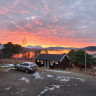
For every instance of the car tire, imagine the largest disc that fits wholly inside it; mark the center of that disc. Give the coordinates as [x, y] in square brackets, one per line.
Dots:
[26, 71]
[16, 68]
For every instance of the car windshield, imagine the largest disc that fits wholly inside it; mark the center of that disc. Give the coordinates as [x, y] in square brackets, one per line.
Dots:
[28, 63]
[25, 64]
[33, 64]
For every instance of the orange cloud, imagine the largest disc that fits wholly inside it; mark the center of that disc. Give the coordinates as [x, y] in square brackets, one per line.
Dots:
[43, 38]
[38, 22]
[35, 39]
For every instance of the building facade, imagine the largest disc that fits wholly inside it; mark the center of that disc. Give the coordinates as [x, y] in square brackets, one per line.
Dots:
[53, 61]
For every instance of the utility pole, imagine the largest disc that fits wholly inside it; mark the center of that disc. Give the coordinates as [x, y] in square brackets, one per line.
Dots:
[85, 60]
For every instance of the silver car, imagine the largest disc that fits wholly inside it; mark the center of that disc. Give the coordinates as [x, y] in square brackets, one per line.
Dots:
[27, 67]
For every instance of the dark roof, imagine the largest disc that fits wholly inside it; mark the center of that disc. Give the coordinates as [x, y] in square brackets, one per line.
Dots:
[51, 57]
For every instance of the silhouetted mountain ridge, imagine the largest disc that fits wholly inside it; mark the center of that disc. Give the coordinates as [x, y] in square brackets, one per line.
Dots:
[89, 48]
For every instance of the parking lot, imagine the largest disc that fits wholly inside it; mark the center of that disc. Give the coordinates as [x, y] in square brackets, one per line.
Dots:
[46, 82]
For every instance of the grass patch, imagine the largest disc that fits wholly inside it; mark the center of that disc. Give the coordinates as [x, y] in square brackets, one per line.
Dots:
[11, 61]
[4, 62]
[88, 71]
[41, 68]
[4, 68]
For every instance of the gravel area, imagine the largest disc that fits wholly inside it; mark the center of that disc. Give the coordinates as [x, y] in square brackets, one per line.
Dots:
[46, 83]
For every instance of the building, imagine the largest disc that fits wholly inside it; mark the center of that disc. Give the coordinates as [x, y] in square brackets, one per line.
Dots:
[53, 60]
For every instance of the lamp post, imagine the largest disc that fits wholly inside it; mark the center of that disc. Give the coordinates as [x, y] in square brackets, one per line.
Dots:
[85, 60]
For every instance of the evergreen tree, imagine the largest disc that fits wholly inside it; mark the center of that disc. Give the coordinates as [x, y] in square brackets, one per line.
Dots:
[79, 57]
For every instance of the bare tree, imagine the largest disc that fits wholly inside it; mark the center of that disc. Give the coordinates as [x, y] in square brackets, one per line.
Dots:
[24, 44]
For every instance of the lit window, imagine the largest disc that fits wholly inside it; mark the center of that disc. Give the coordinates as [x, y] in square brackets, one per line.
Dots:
[51, 63]
[37, 60]
[56, 62]
[41, 61]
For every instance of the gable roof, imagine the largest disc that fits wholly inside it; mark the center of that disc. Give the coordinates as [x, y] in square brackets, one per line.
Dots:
[52, 57]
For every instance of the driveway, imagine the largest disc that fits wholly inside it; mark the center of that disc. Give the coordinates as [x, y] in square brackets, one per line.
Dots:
[46, 83]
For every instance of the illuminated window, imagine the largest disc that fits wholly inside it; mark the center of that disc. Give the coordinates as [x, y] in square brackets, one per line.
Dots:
[41, 61]
[56, 62]
[51, 63]
[37, 60]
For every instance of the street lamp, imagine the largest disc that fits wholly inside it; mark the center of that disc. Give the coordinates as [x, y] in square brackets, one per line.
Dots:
[85, 60]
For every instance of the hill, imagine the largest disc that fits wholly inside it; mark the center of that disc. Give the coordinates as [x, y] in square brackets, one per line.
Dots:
[90, 48]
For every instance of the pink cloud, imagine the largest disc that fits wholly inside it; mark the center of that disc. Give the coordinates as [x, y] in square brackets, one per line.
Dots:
[1, 12]
[16, 2]
[24, 11]
[55, 19]
[47, 10]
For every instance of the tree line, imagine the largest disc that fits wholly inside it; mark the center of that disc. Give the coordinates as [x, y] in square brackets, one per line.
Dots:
[10, 49]
[79, 58]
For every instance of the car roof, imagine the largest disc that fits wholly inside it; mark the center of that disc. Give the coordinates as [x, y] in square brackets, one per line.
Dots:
[29, 62]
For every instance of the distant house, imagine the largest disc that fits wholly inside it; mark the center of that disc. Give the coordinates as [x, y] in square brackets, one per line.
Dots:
[53, 60]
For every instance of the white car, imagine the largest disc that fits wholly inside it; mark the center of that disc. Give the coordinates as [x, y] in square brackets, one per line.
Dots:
[27, 67]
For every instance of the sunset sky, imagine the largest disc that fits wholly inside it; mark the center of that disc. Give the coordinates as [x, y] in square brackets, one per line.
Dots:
[69, 23]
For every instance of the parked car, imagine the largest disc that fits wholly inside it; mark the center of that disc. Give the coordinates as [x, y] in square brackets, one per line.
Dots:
[27, 67]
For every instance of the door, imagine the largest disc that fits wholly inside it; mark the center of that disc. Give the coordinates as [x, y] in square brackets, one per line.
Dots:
[44, 63]
[47, 64]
